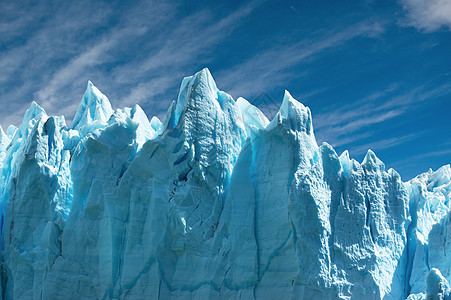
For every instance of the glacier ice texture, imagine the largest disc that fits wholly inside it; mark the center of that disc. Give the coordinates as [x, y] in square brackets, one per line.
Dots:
[215, 202]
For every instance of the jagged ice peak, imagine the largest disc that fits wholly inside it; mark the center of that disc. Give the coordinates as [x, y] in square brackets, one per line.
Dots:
[215, 202]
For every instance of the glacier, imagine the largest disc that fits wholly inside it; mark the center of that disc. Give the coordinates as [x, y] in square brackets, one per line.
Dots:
[215, 201]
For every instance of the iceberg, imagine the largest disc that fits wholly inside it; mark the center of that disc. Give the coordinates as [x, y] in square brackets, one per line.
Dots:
[215, 201]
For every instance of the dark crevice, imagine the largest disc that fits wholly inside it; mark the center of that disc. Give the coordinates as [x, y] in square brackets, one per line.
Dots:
[368, 221]
[4, 277]
[122, 172]
[411, 246]
[181, 159]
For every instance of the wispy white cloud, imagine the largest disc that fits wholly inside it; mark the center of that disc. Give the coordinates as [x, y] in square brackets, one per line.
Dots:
[35, 44]
[63, 51]
[271, 66]
[431, 154]
[74, 70]
[424, 159]
[346, 123]
[189, 41]
[148, 91]
[194, 36]
[428, 15]
[386, 143]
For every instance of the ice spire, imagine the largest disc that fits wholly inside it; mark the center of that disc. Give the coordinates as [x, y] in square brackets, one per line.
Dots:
[3, 135]
[156, 125]
[94, 108]
[201, 84]
[32, 115]
[372, 162]
[11, 130]
[4, 141]
[252, 116]
[298, 116]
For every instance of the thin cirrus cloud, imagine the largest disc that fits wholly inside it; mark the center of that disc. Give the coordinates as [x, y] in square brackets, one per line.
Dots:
[429, 15]
[90, 58]
[412, 162]
[278, 60]
[188, 41]
[136, 55]
[102, 50]
[344, 126]
[193, 35]
[178, 48]
[35, 46]
[386, 143]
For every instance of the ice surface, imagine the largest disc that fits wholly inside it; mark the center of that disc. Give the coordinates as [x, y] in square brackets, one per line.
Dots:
[437, 286]
[252, 116]
[11, 131]
[156, 125]
[215, 202]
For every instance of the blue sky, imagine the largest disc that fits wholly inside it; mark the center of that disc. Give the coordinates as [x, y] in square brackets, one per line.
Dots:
[376, 74]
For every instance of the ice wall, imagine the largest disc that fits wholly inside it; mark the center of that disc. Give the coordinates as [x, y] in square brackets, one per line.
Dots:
[216, 201]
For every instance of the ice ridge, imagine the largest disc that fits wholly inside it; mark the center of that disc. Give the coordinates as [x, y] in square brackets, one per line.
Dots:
[216, 201]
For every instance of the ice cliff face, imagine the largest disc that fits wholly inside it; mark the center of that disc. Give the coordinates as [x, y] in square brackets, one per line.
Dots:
[215, 202]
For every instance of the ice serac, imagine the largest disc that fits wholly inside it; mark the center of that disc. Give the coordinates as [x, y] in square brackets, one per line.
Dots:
[170, 224]
[89, 262]
[136, 119]
[252, 116]
[143, 222]
[375, 202]
[430, 204]
[293, 218]
[4, 142]
[11, 131]
[437, 286]
[215, 202]
[36, 195]
[93, 111]
[440, 246]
